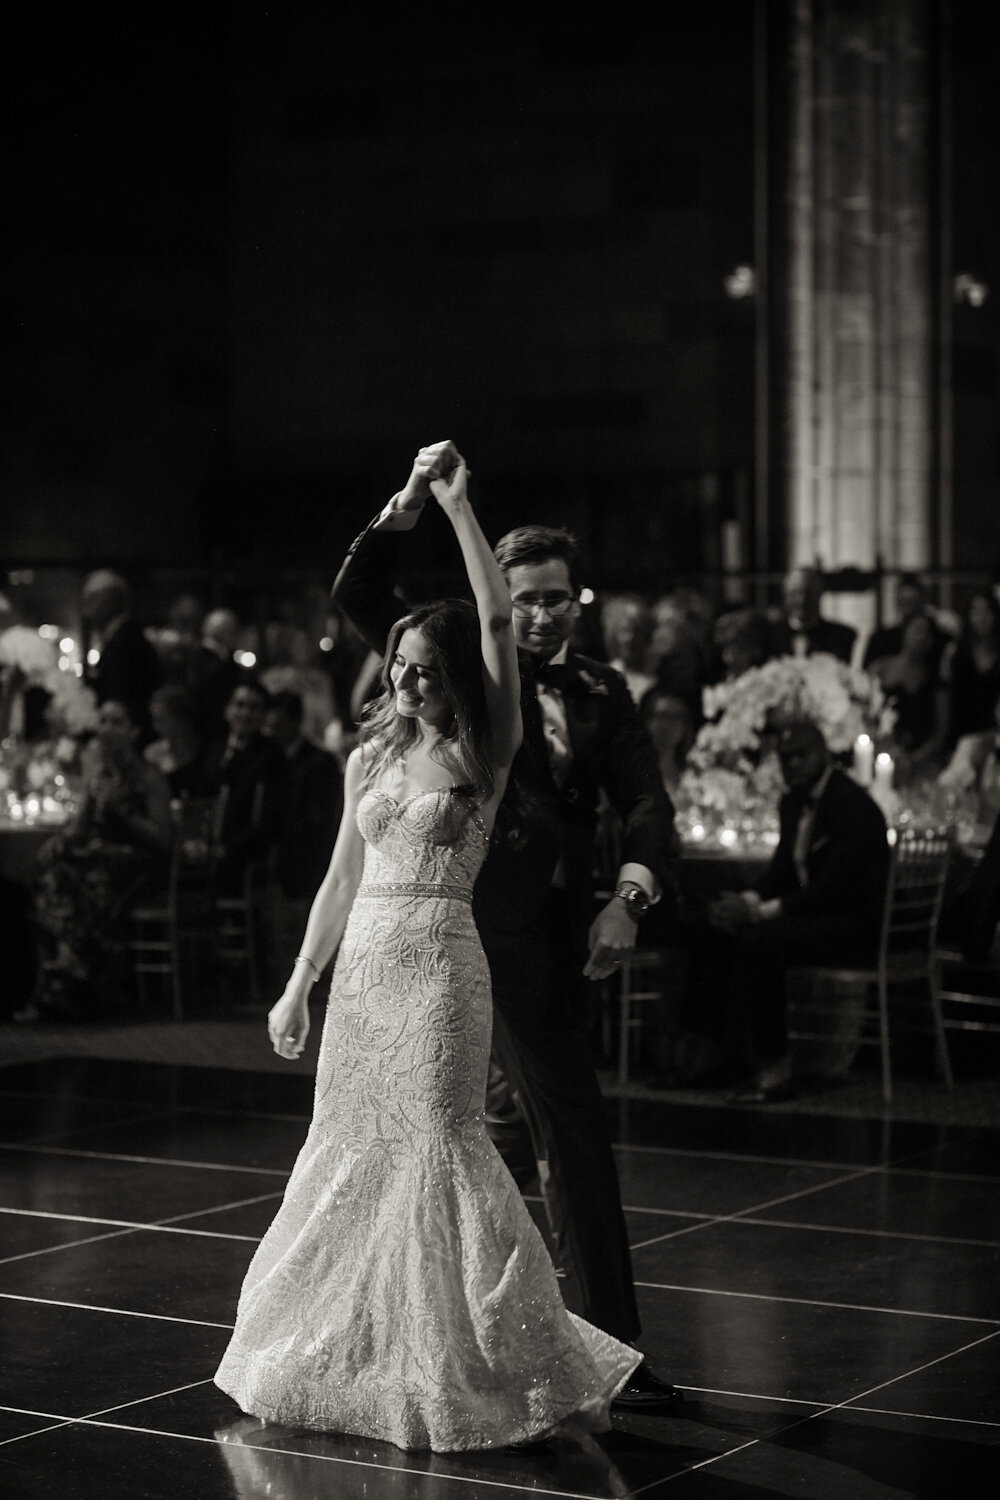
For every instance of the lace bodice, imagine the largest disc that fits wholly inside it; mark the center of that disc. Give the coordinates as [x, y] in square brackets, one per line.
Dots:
[433, 838]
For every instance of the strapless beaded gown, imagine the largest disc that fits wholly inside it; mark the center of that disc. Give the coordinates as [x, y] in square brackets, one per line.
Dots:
[403, 1291]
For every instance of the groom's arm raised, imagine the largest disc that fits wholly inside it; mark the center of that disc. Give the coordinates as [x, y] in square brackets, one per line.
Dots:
[365, 586]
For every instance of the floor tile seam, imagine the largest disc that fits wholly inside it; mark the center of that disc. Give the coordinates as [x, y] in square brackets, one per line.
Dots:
[107, 1411]
[923, 1416]
[917, 1370]
[893, 1312]
[332, 1458]
[90, 1239]
[807, 1192]
[810, 1164]
[117, 1312]
[692, 1468]
[744, 1217]
[126, 1226]
[740, 1159]
[54, 1423]
[198, 1213]
[147, 1161]
[939, 1176]
[736, 1216]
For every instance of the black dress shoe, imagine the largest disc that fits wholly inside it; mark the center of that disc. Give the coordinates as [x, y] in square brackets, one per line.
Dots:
[644, 1391]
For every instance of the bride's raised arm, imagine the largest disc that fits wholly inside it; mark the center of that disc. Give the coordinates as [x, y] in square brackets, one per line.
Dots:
[489, 587]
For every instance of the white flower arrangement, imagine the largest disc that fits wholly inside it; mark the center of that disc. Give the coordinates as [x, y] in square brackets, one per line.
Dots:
[74, 705]
[732, 769]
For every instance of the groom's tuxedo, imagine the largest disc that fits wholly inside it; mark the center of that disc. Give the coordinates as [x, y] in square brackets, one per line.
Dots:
[533, 903]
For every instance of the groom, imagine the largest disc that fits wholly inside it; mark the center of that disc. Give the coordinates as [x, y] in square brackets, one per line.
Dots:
[534, 902]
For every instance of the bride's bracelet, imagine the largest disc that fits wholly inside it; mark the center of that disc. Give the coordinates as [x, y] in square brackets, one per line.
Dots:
[303, 960]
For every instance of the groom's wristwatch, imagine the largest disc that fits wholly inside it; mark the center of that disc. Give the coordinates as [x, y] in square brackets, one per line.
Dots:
[635, 898]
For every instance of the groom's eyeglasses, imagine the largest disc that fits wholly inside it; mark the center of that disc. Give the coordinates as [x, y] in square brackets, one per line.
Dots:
[552, 604]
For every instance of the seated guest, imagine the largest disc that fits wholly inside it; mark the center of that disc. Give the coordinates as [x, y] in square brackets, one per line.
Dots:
[974, 771]
[315, 801]
[248, 774]
[127, 669]
[742, 640]
[627, 628]
[802, 630]
[971, 918]
[970, 667]
[912, 685]
[89, 875]
[819, 900]
[178, 748]
[672, 725]
[887, 640]
[679, 646]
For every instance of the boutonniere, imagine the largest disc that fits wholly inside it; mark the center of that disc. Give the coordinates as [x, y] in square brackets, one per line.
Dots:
[592, 684]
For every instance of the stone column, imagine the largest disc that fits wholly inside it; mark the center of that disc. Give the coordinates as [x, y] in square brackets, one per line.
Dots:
[852, 282]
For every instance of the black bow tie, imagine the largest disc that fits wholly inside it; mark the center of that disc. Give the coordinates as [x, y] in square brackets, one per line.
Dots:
[555, 675]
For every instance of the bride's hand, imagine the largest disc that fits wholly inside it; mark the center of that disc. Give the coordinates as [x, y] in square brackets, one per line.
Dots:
[433, 461]
[451, 490]
[288, 1025]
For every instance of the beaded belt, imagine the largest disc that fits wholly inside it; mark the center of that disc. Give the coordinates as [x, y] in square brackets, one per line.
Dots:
[417, 888]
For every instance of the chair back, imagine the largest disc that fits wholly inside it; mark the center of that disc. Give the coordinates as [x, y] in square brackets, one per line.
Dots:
[918, 868]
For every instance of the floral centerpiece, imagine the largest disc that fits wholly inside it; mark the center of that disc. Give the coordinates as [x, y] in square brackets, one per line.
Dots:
[37, 780]
[732, 782]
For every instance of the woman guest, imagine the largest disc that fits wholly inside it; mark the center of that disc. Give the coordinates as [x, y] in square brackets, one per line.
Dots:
[177, 750]
[970, 667]
[912, 684]
[403, 1292]
[672, 727]
[89, 875]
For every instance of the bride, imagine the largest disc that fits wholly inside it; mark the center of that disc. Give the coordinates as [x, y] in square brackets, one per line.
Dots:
[403, 1291]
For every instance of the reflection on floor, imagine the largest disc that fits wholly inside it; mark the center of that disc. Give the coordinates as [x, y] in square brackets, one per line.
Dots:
[826, 1290]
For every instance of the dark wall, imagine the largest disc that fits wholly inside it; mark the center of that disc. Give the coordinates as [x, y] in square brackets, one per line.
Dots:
[255, 254]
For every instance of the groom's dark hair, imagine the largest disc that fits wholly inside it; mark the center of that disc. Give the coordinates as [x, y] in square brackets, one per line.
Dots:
[538, 544]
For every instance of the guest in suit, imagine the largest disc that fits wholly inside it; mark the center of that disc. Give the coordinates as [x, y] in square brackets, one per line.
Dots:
[803, 630]
[315, 802]
[248, 773]
[216, 672]
[887, 640]
[819, 901]
[127, 669]
[534, 900]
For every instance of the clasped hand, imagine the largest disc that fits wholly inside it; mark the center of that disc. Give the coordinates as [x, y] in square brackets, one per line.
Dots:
[437, 461]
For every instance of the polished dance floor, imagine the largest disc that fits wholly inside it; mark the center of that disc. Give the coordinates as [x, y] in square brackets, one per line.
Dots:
[826, 1289]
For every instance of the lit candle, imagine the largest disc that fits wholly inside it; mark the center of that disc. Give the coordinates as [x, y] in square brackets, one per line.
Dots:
[864, 760]
[883, 773]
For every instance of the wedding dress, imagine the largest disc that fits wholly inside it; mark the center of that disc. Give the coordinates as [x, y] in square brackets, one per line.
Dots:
[403, 1291]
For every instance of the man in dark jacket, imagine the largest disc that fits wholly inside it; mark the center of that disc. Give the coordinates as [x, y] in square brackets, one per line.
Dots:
[820, 900]
[125, 668]
[248, 775]
[315, 802]
[802, 630]
[534, 899]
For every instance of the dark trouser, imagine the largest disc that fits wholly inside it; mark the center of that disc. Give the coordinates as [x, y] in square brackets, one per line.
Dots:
[761, 957]
[540, 1045]
[737, 989]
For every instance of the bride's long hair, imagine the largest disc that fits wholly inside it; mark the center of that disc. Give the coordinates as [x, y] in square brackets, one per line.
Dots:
[452, 631]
